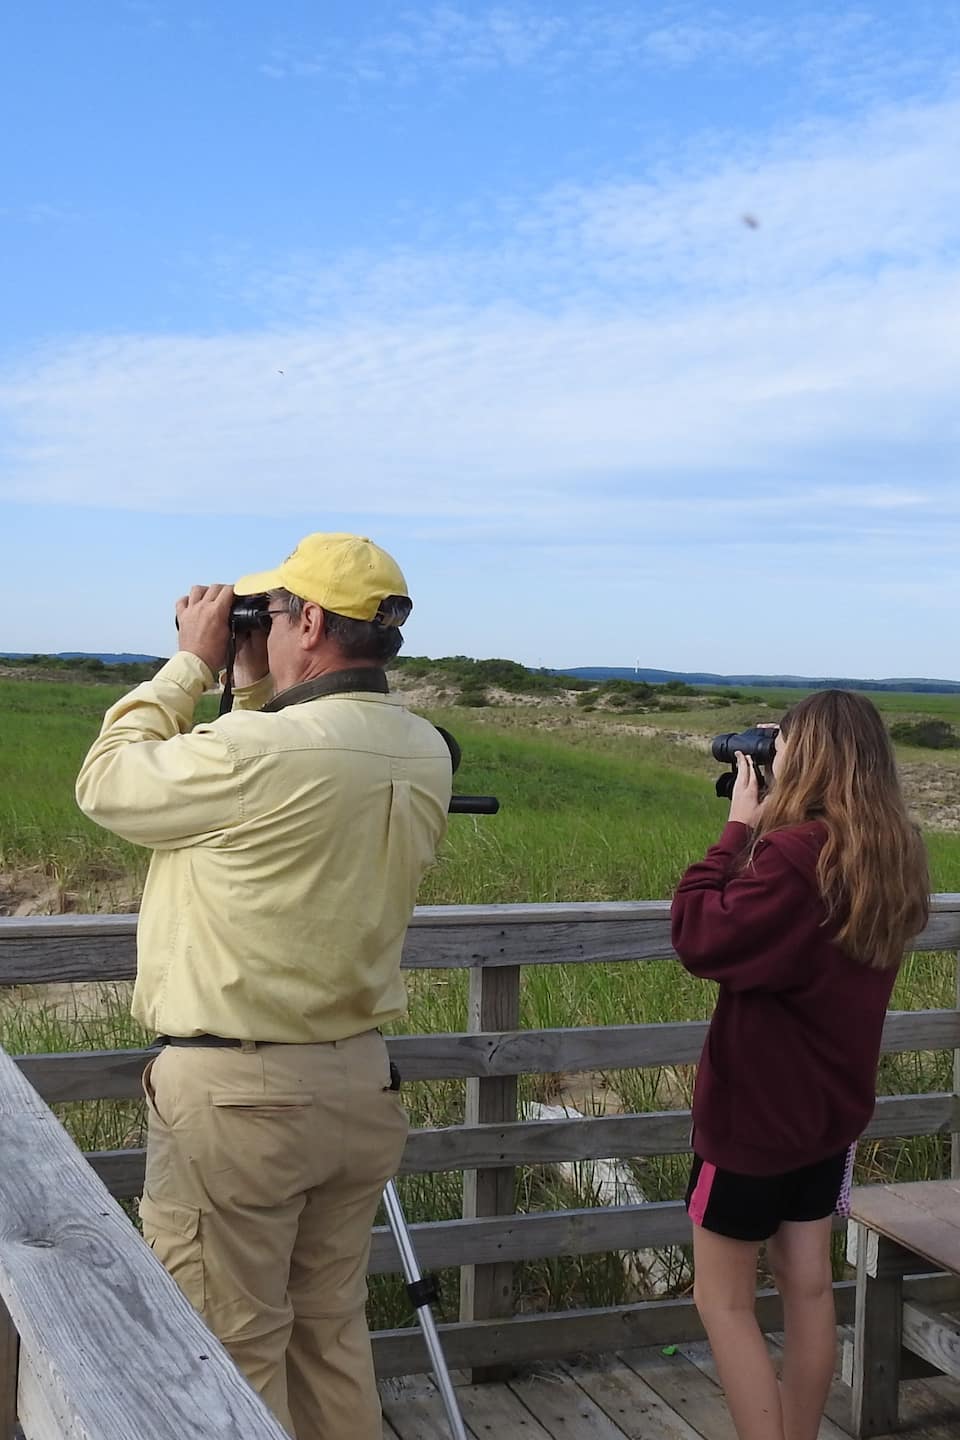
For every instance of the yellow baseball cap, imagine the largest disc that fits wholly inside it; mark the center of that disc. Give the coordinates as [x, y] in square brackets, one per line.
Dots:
[347, 574]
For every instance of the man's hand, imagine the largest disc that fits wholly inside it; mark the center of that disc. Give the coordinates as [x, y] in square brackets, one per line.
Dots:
[745, 802]
[203, 619]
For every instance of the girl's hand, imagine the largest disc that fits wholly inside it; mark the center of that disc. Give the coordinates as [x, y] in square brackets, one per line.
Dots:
[745, 802]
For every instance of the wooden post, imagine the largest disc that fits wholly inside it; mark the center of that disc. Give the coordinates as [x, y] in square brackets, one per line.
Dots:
[486, 1291]
[9, 1370]
[955, 1138]
[877, 1335]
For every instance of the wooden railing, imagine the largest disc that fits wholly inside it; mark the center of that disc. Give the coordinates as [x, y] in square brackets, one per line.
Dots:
[493, 943]
[96, 1340]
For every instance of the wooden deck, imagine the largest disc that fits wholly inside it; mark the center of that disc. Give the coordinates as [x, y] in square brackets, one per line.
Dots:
[635, 1395]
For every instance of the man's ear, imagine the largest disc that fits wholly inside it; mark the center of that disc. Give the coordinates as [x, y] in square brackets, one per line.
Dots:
[313, 626]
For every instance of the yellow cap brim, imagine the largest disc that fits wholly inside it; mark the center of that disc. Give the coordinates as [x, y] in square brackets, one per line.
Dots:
[258, 584]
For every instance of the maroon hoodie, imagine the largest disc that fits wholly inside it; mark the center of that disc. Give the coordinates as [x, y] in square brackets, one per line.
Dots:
[788, 1071]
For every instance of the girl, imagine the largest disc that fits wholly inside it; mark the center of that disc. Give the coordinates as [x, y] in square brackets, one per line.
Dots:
[801, 912]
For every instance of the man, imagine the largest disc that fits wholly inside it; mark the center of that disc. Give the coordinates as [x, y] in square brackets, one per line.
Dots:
[289, 837]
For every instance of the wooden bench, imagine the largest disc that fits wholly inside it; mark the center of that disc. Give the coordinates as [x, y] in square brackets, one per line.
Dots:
[898, 1230]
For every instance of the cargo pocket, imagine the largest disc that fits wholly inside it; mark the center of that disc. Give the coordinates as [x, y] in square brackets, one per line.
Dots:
[172, 1230]
[263, 1101]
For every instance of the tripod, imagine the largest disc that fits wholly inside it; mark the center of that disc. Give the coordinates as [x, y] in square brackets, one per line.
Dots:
[421, 1293]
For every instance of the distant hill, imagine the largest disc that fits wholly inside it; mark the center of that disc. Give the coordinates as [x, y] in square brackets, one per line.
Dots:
[519, 679]
[778, 682]
[84, 667]
[123, 658]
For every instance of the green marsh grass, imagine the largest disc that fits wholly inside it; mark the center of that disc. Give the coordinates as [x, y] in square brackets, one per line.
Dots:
[591, 811]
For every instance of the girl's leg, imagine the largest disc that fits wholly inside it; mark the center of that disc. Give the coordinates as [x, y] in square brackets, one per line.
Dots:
[799, 1256]
[724, 1288]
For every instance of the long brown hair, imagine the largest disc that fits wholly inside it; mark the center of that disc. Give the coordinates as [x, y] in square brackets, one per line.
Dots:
[839, 768]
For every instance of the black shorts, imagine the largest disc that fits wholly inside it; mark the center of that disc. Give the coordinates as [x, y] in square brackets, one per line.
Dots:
[753, 1207]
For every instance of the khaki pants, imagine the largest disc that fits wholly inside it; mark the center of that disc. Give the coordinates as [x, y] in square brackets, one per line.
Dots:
[265, 1167]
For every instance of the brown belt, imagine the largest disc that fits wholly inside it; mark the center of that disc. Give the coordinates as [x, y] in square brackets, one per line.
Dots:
[220, 1040]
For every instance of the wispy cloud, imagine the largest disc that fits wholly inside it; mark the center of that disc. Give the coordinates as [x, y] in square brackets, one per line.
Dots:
[850, 198]
[825, 204]
[682, 378]
[443, 36]
[451, 41]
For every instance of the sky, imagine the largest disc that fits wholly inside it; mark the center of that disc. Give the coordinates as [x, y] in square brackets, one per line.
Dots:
[630, 329]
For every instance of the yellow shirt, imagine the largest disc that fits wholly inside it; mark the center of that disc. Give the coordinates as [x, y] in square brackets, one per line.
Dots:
[288, 849]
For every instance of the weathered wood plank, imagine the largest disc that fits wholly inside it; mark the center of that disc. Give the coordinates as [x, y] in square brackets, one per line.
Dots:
[419, 1417]
[43, 1413]
[933, 1336]
[9, 1355]
[446, 1243]
[617, 1047]
[78, 947]
[490, 1053]
[40, 959]
[442, 1244]
[920, 1030]
[490, 1409]
[875, 1388]
[52, 957]
[941, 932]
[923, 1216]
[120, 1170]
[425, 917]
[624, 1396]
[686, 1389]
[495, 1410]
[545, 1142]
[115, 1074]
[529, 1339]
[621, 1136]
[90, 1302]
[565, 1410]
[65, 948]
[486, 1291]
[568, 939]
[85, 1074]
[940, 1290]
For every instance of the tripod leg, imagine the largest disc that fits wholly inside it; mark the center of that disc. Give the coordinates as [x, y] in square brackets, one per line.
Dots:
[414, 1279]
